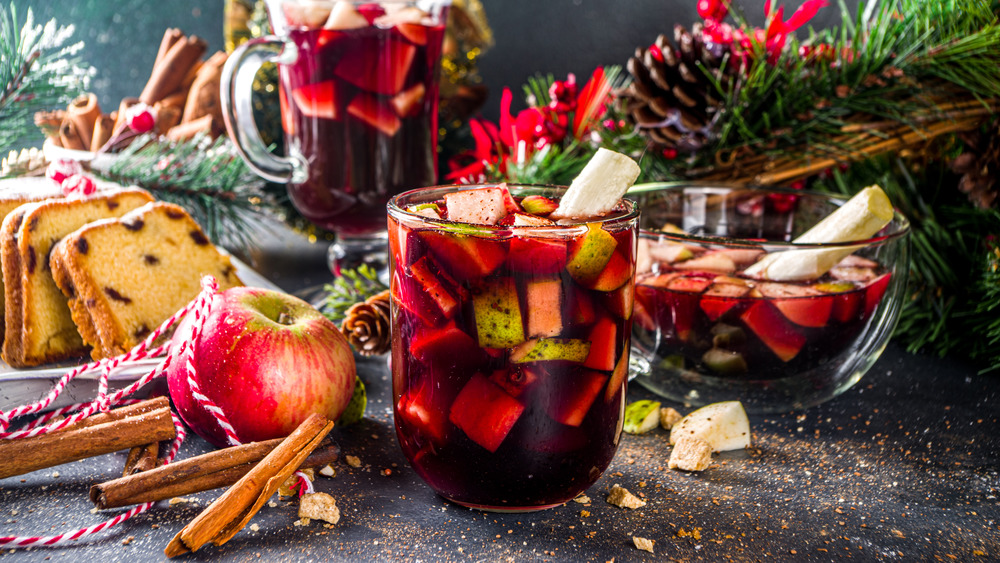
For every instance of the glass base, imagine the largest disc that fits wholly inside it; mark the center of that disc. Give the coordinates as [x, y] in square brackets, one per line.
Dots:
[503, 509]
[349, 253]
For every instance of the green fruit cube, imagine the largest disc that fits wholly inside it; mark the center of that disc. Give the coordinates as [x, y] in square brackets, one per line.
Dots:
[590, 254]
[497, 311]
[548, 349]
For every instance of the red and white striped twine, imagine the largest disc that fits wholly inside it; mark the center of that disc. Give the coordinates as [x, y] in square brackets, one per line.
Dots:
[200, 307]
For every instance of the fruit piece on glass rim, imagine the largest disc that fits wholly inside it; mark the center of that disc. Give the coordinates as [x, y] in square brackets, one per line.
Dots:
[268, 360]
[598, 187]
[860, 218]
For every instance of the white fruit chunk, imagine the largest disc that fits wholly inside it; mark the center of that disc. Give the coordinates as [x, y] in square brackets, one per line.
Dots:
[723, 425]
[601, 183]
[344, 16]
[860, 218]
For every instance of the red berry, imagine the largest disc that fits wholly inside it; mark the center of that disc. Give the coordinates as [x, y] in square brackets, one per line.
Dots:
[141, 119]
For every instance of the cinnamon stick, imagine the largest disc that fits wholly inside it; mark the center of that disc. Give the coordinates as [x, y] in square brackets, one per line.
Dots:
[204, 98]
[170, 37]
[229, 513]
[208, 471]
[167, 117]
[70, 137]
[84, 112]
[102, 132]
[185, 131]
[136, 409]
[168, 74]
[85, 440]
[142, 458]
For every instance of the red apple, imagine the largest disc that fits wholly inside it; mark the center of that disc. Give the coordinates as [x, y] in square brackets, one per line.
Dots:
[268, 360]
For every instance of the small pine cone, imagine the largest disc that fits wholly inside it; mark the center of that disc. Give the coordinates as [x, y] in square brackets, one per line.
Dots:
[366, 325]
[979, 166]
[670, 98]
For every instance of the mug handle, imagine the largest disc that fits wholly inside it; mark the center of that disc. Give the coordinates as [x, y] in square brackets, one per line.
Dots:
[237, 108]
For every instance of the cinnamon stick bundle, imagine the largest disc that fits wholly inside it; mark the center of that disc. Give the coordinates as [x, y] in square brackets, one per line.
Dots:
[208, 471]
[168, 73]
[120, 429]
[229, 513]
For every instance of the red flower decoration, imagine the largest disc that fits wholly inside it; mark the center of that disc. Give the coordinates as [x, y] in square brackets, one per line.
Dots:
[567, 115]
[472, 166]
[713, 9]
[773, 38]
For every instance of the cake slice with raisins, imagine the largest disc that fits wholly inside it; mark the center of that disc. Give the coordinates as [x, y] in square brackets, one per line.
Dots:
[124, 277]
[14, 193]
[38, 325]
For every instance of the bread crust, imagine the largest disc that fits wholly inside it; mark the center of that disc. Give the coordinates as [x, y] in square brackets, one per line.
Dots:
[14, 193]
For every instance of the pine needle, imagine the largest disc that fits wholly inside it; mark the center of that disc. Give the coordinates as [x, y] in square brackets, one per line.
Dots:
[205, 177]
[353, 286]
[38, 71]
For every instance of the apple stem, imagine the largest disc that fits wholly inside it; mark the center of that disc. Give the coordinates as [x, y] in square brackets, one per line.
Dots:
[284, 318]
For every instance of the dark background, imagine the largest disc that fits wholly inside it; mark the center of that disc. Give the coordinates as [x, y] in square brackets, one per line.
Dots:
[532, 36]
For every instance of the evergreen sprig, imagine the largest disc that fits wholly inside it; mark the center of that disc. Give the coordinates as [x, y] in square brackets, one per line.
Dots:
[205, 177]
[38, 71]
[352, 286]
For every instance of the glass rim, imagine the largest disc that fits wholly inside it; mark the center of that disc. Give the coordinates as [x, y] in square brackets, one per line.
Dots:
[899, 221]
[394, 210]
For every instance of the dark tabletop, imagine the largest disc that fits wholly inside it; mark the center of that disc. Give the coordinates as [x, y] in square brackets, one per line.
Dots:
[904, 466]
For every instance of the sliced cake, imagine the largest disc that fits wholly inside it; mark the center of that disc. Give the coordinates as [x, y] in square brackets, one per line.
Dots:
[39, 327]
[124, 277]
[14, 193]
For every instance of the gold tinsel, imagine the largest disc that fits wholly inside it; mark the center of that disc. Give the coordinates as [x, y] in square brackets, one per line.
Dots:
[366, 325]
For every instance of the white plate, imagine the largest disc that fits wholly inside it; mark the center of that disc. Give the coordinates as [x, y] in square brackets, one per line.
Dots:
[24, 386]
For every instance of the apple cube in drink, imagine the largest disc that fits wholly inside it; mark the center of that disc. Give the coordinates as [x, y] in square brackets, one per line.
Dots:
[465, 257]
[481, 206]
[537, 255]
[436, 285]
[577, 391]
[368, 68]
[424, 409]
[544, 307]
[374, 112]
[603, 343]
[318, 100]
[485, 412]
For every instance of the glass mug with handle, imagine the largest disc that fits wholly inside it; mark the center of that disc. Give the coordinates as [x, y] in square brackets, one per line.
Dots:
[358, 86]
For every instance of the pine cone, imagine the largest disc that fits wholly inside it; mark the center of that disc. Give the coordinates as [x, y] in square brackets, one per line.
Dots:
[366, 325]
[670, 98]
[979, 166]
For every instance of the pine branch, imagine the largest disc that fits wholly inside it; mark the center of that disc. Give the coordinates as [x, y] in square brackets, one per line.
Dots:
[353, 286]
[38, 71]
[205, 177]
